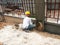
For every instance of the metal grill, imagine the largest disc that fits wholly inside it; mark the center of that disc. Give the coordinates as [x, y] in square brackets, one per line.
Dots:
[25, 4]
[29, 5]
[52, 8]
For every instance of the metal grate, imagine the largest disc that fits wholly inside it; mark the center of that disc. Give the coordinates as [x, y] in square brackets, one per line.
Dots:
[26, 4]
[52, 8]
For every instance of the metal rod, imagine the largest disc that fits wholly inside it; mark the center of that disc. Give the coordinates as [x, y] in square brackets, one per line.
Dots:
[54, 9]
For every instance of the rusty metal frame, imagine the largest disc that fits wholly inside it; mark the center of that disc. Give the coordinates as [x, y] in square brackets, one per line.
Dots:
[50, 10]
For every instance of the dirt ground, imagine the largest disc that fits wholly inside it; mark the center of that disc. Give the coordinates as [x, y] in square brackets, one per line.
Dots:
[12, 36]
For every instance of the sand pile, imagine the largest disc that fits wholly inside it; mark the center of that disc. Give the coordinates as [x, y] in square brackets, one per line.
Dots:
[10, 36]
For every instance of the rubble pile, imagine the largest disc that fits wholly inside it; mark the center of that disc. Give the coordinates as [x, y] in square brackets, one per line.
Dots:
[12, 36]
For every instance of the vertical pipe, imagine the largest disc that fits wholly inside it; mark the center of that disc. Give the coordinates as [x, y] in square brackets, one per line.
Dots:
[58, 13]
[27, 4]
[46, 9]
[21, 3]
[54, 9]
[50, 8]
[32, 6]
[24, 5]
